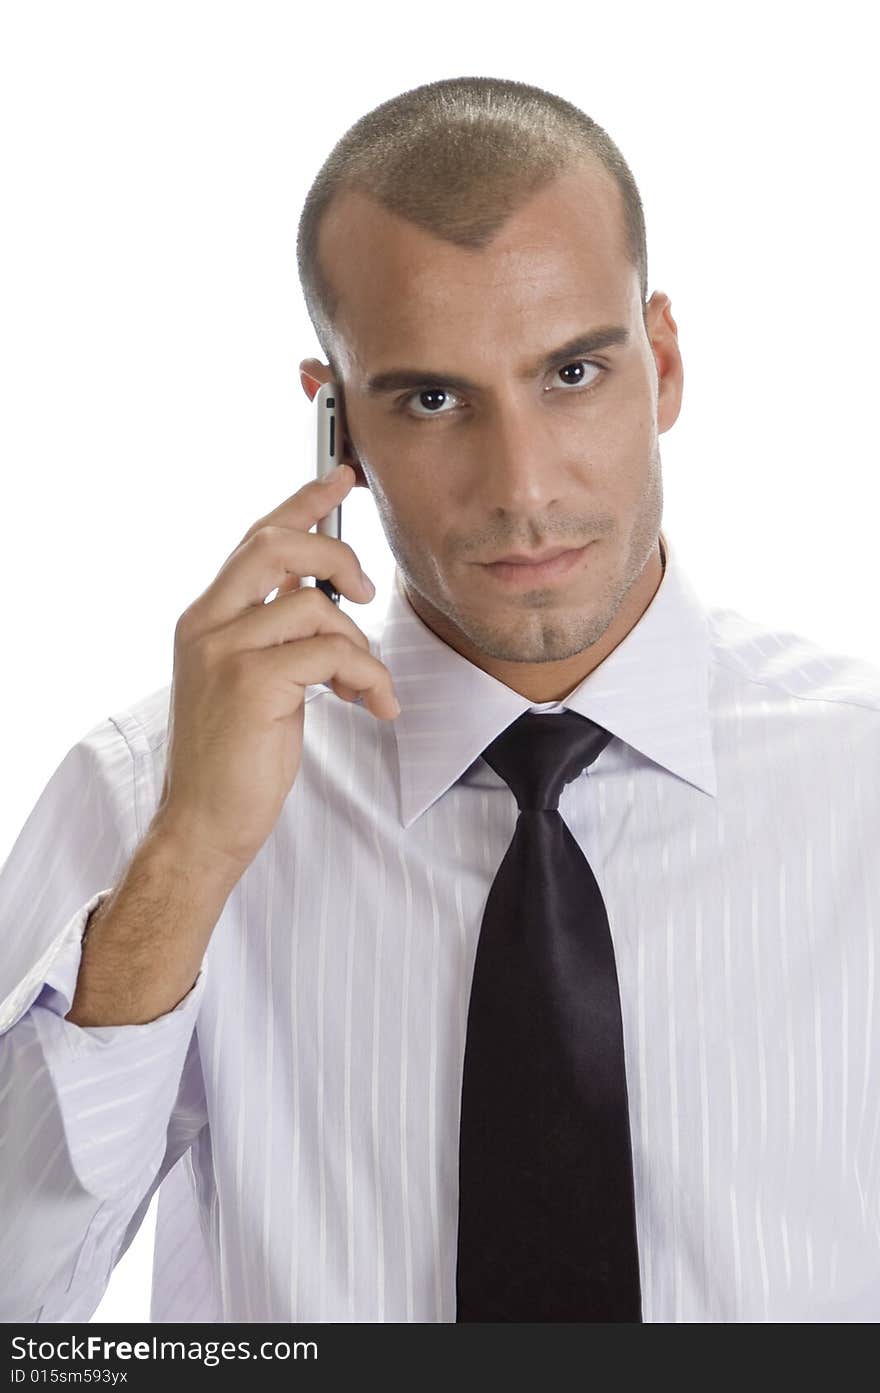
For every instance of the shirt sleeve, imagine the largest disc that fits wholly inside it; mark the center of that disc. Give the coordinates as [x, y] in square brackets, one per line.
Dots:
[92, 1118]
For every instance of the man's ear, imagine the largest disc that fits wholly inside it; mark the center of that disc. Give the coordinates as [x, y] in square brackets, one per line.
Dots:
[312, 375]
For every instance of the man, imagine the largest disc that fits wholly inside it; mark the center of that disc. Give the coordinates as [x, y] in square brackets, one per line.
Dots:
[275, 1016]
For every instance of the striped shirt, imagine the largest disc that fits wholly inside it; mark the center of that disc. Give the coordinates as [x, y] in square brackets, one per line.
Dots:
[299, 1108]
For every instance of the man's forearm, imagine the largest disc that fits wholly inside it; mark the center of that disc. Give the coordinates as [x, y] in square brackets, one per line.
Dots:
[143, 946]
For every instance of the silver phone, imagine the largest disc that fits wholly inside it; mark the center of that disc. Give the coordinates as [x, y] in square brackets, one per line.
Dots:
[328, 404]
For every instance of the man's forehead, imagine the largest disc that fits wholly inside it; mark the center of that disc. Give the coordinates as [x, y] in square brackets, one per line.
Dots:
[559, 260]
[357, 232]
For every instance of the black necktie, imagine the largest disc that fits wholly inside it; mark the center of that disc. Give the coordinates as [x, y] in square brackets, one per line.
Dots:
[547, 1228]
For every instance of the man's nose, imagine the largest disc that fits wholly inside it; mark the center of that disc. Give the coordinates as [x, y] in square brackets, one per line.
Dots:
[521, 454]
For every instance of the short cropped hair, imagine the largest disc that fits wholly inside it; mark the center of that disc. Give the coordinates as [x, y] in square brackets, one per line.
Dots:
[457, 157]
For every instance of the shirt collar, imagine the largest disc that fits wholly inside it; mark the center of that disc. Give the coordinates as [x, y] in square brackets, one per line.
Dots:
[651, 692]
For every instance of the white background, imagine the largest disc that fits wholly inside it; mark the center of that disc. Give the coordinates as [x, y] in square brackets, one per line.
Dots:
[154, 159]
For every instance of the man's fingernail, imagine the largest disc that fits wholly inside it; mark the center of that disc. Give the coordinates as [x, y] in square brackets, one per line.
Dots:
[335, 474]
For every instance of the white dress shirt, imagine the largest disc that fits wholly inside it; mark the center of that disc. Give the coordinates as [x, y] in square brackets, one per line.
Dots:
[300, 1106]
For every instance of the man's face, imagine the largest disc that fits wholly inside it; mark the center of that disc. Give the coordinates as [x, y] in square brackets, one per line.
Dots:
[526, 457]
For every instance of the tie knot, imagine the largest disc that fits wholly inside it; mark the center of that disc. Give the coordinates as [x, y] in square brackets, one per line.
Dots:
[540, 753]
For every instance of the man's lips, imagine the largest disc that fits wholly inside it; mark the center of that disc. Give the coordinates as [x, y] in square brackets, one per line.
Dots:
[517, 558]
[549, 566]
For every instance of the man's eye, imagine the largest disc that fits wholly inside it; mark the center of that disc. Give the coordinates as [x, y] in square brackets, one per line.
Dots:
[432, 399]
[582, 363]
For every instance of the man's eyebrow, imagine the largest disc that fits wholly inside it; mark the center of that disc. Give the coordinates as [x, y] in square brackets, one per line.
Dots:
[605, 336]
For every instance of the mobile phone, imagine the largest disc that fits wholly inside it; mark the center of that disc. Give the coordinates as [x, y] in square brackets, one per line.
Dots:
[329, 435]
